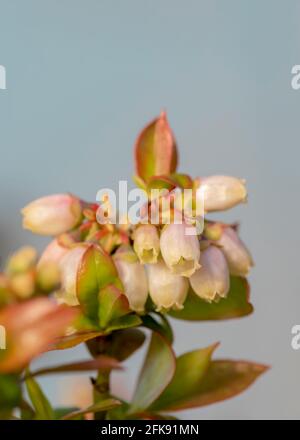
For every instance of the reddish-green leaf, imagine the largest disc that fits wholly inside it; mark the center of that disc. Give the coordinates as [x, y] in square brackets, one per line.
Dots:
[31, 327]
[234, 306]
[156, 374]
[103, 405]
[71, 341]
[191, 368]
[182, 180]
[155, 150]
[161, 182]
[223, 380]
[99, 363]
[113, 304]
[96, 271]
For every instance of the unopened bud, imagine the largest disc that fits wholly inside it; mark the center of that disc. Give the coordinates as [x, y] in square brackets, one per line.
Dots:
[219, 193]
[133, 276]
[69, 266]
[238, 257]
[52, 215]
[22, 260]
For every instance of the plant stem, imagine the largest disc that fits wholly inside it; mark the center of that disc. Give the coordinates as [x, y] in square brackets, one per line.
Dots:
[101, 391]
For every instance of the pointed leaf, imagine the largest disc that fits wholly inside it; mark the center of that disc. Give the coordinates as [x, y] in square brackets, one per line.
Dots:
[224, 379]
[103, 405]
[156, 374]
[99, 363]
[190, 370]
[234, 306]
[96, 271]
[124, 322]
[161, 182]
[43, 409]
[155, 150]
[113, 304]
[182, 180]
[158, 323]
[75, 339]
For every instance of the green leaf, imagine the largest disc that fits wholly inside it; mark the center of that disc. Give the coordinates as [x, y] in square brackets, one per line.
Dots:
[182, 180]
[161, 182]
[43, 409]
[10, 391]
[61, 412]
[127, 321]
[96, 271]
[223, 380]
[113, 304]
[158, 323]
[103, 405]
[234, 306]
[190, 370]
[100, 363]
[156, 374]
[155, 150]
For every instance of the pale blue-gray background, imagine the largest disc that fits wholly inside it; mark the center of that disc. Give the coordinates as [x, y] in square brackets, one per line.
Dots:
[83, 76]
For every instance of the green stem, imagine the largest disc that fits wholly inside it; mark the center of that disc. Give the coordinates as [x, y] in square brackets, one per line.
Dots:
[101, 391]
[101, 384]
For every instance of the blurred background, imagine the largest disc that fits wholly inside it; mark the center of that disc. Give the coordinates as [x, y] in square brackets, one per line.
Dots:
[84, 76]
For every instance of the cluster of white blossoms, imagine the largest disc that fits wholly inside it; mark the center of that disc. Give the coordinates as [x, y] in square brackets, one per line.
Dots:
[163, 261]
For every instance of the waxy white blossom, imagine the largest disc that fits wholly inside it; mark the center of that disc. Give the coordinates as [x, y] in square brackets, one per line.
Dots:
[219, 193]
[133, 276]
[167, 290]
[146, 243]
[52, 215]
[211, 281]
[238, 257]
[180, 248]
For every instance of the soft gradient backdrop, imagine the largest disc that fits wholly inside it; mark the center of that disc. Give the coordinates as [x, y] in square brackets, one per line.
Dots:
[84, 76]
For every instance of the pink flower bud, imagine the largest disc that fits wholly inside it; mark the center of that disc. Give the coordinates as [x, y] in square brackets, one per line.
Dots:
[146, 243]
[180, 248]
[238, 257]
[133, 276]
[53, 253]
[211, 281]
[167, 290]
[219, 193]
[69, 266]
[52, 215]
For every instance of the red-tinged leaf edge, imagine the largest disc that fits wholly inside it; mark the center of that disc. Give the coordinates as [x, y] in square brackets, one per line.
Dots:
[155, 149]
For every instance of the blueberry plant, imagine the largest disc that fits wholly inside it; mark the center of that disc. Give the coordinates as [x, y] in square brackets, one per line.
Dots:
[114, 286]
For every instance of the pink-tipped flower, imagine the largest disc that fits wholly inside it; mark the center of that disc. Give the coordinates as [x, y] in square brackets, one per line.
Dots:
[133, 276]
[52, 215]
[69, 266]
[238, 257]
[167, 290]
[211, 281]
[146, 244]
[180, 249]
[219, 193]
